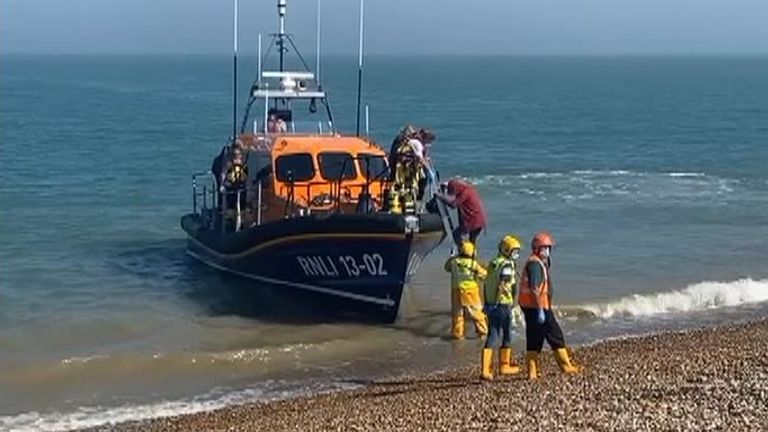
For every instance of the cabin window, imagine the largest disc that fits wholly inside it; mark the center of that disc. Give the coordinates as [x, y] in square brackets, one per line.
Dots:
[296, 167]
[374, 167]
[336, 166]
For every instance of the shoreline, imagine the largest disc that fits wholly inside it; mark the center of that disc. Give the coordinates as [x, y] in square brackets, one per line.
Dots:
[713, 378]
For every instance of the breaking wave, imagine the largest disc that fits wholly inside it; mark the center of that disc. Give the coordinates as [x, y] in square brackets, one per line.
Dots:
[696, 297]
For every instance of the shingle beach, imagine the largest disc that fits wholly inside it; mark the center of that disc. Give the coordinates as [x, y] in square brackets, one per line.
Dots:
[707, 379]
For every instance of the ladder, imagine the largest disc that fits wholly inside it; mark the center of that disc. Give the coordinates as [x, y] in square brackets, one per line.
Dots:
[445, 215]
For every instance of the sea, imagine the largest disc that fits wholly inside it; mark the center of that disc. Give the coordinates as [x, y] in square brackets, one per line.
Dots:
[650, 172]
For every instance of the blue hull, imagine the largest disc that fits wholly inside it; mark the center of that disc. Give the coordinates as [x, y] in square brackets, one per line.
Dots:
[358, 261]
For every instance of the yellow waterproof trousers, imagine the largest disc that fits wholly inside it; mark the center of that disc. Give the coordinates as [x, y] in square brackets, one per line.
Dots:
[467, 302]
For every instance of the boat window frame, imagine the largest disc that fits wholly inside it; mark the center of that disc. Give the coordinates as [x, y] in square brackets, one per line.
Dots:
[343, 176]
[305, 155]
[379, 176]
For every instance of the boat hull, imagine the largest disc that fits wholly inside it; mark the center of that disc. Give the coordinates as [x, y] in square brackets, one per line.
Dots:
[361, 262]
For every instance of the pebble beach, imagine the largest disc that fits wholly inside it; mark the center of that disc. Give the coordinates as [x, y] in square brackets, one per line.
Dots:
[703, 379]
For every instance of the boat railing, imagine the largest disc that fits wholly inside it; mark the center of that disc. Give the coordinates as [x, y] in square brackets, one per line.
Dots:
[238, 208]
[337, 188]
[301, 199]
[204, 194]
[211, 204]
[366, 186]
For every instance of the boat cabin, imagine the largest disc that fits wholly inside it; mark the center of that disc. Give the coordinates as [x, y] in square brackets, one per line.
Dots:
[297, 168]
[298, 174]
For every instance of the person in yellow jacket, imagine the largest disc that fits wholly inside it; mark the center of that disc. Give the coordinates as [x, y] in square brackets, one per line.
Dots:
[499, 289]
[536, 300]
[465, 291]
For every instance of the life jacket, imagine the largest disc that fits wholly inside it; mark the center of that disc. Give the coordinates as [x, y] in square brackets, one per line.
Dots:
[237, 175]
[464, 273]
[497, 291]
[402, 146]
[529, 299]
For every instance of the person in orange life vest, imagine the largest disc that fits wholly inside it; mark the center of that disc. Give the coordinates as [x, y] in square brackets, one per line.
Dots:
[535, 300]
[465, 291]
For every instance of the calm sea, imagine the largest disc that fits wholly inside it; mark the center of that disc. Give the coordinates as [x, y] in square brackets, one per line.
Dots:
[650, 172]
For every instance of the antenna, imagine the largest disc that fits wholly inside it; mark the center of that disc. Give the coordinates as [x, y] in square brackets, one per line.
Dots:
[266, 109]
[367, 124]
[360, 67]
[258, 77]
[317, 60]
[234, 75]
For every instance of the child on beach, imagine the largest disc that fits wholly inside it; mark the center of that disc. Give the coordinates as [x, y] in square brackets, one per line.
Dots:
[465, 291]
[536, 300]
[499, 289]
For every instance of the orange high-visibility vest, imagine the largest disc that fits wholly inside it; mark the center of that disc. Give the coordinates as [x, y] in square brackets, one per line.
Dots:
[528, 298]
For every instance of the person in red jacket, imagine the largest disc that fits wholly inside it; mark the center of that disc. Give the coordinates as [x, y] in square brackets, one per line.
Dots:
[465, 198]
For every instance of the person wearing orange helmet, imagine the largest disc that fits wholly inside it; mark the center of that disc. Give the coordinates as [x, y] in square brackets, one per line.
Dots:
[535, 300]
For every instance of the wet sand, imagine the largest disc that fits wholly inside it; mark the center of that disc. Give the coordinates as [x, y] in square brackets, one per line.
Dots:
[707, 379]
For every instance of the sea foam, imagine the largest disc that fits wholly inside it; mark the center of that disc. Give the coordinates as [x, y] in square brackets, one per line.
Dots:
[699, 296]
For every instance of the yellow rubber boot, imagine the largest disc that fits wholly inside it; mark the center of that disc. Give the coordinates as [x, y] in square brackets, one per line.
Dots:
[486, 364]
[506, 365]
[532, 362]
[565, 363]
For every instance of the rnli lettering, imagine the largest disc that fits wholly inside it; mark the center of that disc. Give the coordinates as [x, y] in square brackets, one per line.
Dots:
[318, 266]
[348, 266]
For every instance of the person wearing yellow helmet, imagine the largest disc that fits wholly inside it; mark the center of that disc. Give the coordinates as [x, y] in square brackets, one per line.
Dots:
[535, 300]
[499, 289]
[465, 291]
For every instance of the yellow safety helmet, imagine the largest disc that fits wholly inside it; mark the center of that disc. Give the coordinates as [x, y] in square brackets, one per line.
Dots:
[467, 249]
[508, 243]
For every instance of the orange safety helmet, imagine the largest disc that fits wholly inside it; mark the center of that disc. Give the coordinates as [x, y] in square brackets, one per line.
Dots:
[542, 239]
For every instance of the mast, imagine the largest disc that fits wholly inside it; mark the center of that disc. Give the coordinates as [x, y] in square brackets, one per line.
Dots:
[234, 74]
[317, 57]
[282, 87]
[281, 34]
[360, 68]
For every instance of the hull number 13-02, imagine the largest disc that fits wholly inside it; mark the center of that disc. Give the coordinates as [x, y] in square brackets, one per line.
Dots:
[342, 266]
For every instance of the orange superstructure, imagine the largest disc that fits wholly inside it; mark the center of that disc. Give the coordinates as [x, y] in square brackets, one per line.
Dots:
[314, 173]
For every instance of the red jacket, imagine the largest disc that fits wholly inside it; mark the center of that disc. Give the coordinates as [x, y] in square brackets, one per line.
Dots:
[468, 204]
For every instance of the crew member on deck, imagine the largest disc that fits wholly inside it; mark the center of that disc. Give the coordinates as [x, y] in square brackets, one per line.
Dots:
[499, 289]
[536, 301]
[465, 291]
[272, 123]
[276, 125]
[233, 185]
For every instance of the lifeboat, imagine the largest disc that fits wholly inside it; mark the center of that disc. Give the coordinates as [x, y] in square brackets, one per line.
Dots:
[300, 207]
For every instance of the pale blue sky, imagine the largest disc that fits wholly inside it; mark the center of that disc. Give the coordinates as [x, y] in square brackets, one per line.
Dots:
[393, 26]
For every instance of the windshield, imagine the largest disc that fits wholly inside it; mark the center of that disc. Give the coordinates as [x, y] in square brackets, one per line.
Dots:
[373, 167]
[336, 165]
[294, 167]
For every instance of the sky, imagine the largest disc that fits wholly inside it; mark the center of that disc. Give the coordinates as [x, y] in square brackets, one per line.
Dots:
[485, 27]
